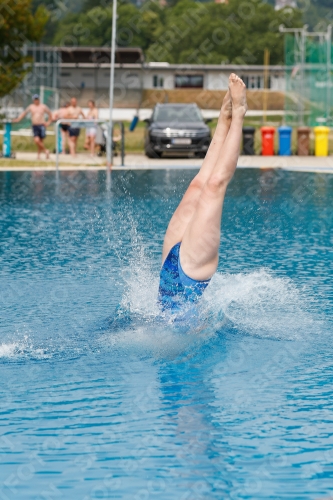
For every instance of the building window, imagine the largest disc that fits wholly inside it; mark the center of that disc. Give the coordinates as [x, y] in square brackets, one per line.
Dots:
[255, 81]
[189, 81]
[158, 81]
[245, 79]
[65, 74]
[252, 82]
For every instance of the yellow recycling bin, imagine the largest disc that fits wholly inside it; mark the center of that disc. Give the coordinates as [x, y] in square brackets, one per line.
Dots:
[321, 141]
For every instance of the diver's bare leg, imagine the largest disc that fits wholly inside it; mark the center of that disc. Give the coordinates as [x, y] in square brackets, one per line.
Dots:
[72, 145]
[187, 206]
[201, 240]
[40, 146]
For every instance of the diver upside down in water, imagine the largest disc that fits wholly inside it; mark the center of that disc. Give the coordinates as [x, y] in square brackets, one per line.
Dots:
[191, 243]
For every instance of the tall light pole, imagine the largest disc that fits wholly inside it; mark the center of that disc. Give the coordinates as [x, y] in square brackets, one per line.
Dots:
[112, 61]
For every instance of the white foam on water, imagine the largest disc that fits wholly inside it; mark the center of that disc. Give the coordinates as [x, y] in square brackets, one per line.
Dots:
[17, 348]
[256, 303]
[22, 348]
[8, 350]
[159, 341]
[261, 304]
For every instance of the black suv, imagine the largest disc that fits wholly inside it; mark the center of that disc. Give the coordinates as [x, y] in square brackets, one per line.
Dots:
[176, 128]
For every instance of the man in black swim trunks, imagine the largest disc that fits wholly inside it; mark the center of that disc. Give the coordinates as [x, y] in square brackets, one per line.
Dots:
[74, 112]
[38, 111]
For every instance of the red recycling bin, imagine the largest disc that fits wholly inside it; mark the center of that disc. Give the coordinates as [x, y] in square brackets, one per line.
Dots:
[267, 141]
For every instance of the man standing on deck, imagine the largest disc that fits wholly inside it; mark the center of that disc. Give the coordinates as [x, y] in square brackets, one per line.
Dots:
[74, 112]
[37, 111]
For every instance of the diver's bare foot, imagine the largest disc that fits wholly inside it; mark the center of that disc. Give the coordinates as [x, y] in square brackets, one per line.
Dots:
[47, 154]
[237, 90]
[226, 109]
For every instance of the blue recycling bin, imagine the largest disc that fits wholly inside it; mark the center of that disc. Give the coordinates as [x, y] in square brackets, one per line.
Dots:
[285, 140]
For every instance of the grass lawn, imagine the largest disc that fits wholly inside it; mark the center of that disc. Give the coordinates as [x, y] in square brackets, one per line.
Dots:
[133, 140]
[4, 162]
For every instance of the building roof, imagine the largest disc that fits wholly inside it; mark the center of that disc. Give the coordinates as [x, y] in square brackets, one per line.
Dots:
[133, 58]
[100, 55]
[181, 68]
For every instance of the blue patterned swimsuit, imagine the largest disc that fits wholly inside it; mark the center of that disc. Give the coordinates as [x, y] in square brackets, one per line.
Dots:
[178, 291]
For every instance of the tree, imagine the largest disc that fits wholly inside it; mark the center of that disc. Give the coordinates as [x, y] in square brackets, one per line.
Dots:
[135, 27]
[18, 26]
[58, 10]
[210, 33]
[190, 32]
[318, 14]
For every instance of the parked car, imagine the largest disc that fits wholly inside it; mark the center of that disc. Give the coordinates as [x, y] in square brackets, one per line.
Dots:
[176, 128]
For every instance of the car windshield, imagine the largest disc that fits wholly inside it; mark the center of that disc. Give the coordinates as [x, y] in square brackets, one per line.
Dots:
[174, 114]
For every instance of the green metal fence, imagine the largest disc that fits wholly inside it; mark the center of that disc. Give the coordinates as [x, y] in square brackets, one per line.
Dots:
[309, 78]
[48, 96]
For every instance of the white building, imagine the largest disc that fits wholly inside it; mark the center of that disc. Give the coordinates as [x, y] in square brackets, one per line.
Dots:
[84, 72]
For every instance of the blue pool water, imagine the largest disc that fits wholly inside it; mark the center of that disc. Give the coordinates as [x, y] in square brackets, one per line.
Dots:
[102, 399]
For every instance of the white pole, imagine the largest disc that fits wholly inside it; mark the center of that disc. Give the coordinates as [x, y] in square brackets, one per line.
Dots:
[112, 61]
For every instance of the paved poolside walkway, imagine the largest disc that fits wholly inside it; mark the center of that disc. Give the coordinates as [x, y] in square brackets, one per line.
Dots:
[137, 161]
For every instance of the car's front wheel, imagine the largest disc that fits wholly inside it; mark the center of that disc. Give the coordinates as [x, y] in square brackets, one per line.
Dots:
[151, 153]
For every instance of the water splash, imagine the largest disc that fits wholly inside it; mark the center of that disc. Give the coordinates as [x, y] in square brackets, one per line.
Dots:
[260, 304]
[34, 349]
[256, 303]
[141, 279]
[8, 350]
[16, 349]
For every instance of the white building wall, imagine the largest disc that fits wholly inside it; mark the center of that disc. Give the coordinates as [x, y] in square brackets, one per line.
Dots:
[216, 80]
[99, 78]
[132, 79]
[278, 82]
[163, 75]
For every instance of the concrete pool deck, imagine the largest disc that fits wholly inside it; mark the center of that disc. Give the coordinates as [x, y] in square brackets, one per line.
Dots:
[28, 162]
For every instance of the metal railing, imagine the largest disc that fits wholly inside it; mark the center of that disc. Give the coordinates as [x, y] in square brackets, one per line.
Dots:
[85, 123]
